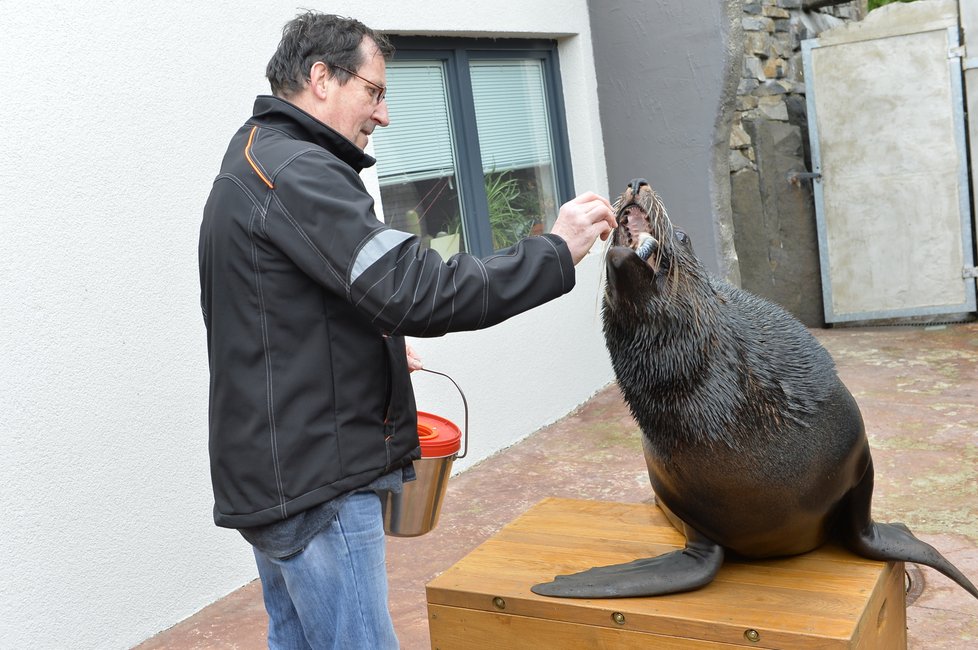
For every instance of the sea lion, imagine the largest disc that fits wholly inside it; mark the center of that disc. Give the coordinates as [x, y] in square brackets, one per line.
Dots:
[754, 446]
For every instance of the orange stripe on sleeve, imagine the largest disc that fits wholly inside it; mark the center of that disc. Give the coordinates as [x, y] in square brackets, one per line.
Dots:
[247, 152]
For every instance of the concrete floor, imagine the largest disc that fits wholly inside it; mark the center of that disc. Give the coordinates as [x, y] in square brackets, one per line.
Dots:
[918, 391]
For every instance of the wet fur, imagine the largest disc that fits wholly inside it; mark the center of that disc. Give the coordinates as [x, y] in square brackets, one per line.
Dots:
[752, 440]
[730, 392]
[693, 364]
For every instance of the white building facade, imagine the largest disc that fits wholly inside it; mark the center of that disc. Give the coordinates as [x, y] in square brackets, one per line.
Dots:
[117, 116]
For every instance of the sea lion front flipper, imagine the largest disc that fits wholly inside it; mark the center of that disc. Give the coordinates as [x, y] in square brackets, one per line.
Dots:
[877, 541]
[682, 570]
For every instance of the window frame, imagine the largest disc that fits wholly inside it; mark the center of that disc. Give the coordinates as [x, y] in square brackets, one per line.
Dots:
[456, 53]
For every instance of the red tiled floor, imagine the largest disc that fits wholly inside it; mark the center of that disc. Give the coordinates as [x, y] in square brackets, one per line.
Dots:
[918, 391]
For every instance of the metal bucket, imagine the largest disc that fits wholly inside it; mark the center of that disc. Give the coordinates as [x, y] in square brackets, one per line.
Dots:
[415, 510]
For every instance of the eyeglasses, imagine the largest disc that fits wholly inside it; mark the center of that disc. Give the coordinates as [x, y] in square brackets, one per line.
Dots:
[381, 90]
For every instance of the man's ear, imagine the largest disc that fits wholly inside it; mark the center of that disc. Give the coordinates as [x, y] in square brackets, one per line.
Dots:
[318, 79]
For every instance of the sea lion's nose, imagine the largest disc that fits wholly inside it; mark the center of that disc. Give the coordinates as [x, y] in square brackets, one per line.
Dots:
[636, 184]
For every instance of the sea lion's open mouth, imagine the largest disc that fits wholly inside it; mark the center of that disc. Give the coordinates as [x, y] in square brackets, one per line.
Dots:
[635, 231]
[647, 256]
[633, 221]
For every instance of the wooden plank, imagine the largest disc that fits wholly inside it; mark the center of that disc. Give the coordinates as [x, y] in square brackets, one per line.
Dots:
[454, 628]
[884, 621]
[819, 600]
[507, 562]
[723, 617]
[564, 556]
[570, 522]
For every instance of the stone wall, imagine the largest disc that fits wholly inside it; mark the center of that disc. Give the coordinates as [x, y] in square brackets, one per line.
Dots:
[773, 212]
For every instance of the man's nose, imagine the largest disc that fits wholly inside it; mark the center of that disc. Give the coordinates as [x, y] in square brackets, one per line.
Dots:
[381, 116]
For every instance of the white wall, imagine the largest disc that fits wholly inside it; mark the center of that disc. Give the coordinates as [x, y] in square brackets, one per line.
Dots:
[116, 115]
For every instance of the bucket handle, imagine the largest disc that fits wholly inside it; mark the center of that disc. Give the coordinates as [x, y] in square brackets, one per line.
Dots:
[465, 406]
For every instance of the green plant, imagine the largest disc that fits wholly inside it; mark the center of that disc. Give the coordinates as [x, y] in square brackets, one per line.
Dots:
[876, 4]
[509, 222]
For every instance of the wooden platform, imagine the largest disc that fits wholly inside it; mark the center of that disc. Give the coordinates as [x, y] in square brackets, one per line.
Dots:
[826, 599]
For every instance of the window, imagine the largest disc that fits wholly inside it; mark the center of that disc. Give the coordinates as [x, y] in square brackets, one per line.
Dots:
[475, 157]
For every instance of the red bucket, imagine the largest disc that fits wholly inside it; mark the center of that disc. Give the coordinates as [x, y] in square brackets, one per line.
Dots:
[414, 511]
[439, 437]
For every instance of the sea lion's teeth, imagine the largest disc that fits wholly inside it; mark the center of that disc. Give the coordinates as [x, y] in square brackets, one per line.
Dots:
[646, 243]
[634, 220]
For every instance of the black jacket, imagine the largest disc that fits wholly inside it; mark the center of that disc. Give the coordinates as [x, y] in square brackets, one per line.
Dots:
[306, 298]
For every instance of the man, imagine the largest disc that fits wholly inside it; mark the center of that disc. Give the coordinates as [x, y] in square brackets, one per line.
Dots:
[306, 297]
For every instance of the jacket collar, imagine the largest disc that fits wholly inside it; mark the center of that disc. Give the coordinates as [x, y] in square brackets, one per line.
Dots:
[277, 113]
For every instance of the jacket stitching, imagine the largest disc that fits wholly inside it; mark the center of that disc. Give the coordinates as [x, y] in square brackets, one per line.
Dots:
[394, 292]
[485, 291]
[353, 261]
[434, 294]
[269, 387]
[334, 385]
[451, 318]
[407, 312]
[264, 210]
[560, 267]
[289, 160]
[241, 186]
[295, 224]
[417, 286]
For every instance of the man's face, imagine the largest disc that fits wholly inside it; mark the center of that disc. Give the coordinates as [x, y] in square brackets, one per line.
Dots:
[352, 109]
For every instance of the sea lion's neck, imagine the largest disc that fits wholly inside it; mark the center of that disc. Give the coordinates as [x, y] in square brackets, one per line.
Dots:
[675, 369]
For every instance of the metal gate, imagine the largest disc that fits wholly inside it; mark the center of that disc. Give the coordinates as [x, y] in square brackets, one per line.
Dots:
[890, 157]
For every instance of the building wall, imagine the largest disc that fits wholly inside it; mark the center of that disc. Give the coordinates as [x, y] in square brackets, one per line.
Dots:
[667, 75]
[774, 216]
[116, 117]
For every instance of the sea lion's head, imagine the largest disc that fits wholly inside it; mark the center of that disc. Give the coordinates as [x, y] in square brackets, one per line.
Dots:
[650, 263]
[658, 313]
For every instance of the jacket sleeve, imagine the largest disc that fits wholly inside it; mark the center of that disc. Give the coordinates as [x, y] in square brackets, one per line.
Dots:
[322, 217]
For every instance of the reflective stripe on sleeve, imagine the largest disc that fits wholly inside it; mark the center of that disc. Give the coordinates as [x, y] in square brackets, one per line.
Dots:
[380, 244]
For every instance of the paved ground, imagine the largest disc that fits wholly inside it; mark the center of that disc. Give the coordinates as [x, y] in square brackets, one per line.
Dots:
[918, 391]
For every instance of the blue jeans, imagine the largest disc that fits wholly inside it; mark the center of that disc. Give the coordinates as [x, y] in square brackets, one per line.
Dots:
[334, 593]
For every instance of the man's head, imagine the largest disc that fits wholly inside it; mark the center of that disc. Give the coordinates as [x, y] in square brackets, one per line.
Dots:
[334, 69]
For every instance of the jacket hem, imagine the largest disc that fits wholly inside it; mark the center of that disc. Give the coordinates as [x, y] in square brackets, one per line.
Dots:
[309, 499]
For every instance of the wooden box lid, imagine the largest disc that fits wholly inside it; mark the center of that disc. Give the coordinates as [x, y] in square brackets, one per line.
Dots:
[828, 598]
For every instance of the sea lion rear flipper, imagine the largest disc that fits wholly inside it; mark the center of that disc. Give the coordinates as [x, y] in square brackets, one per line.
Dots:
[682, 570]
[877, 541]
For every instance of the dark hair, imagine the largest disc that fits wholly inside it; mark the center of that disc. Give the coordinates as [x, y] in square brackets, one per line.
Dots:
[312, 37]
